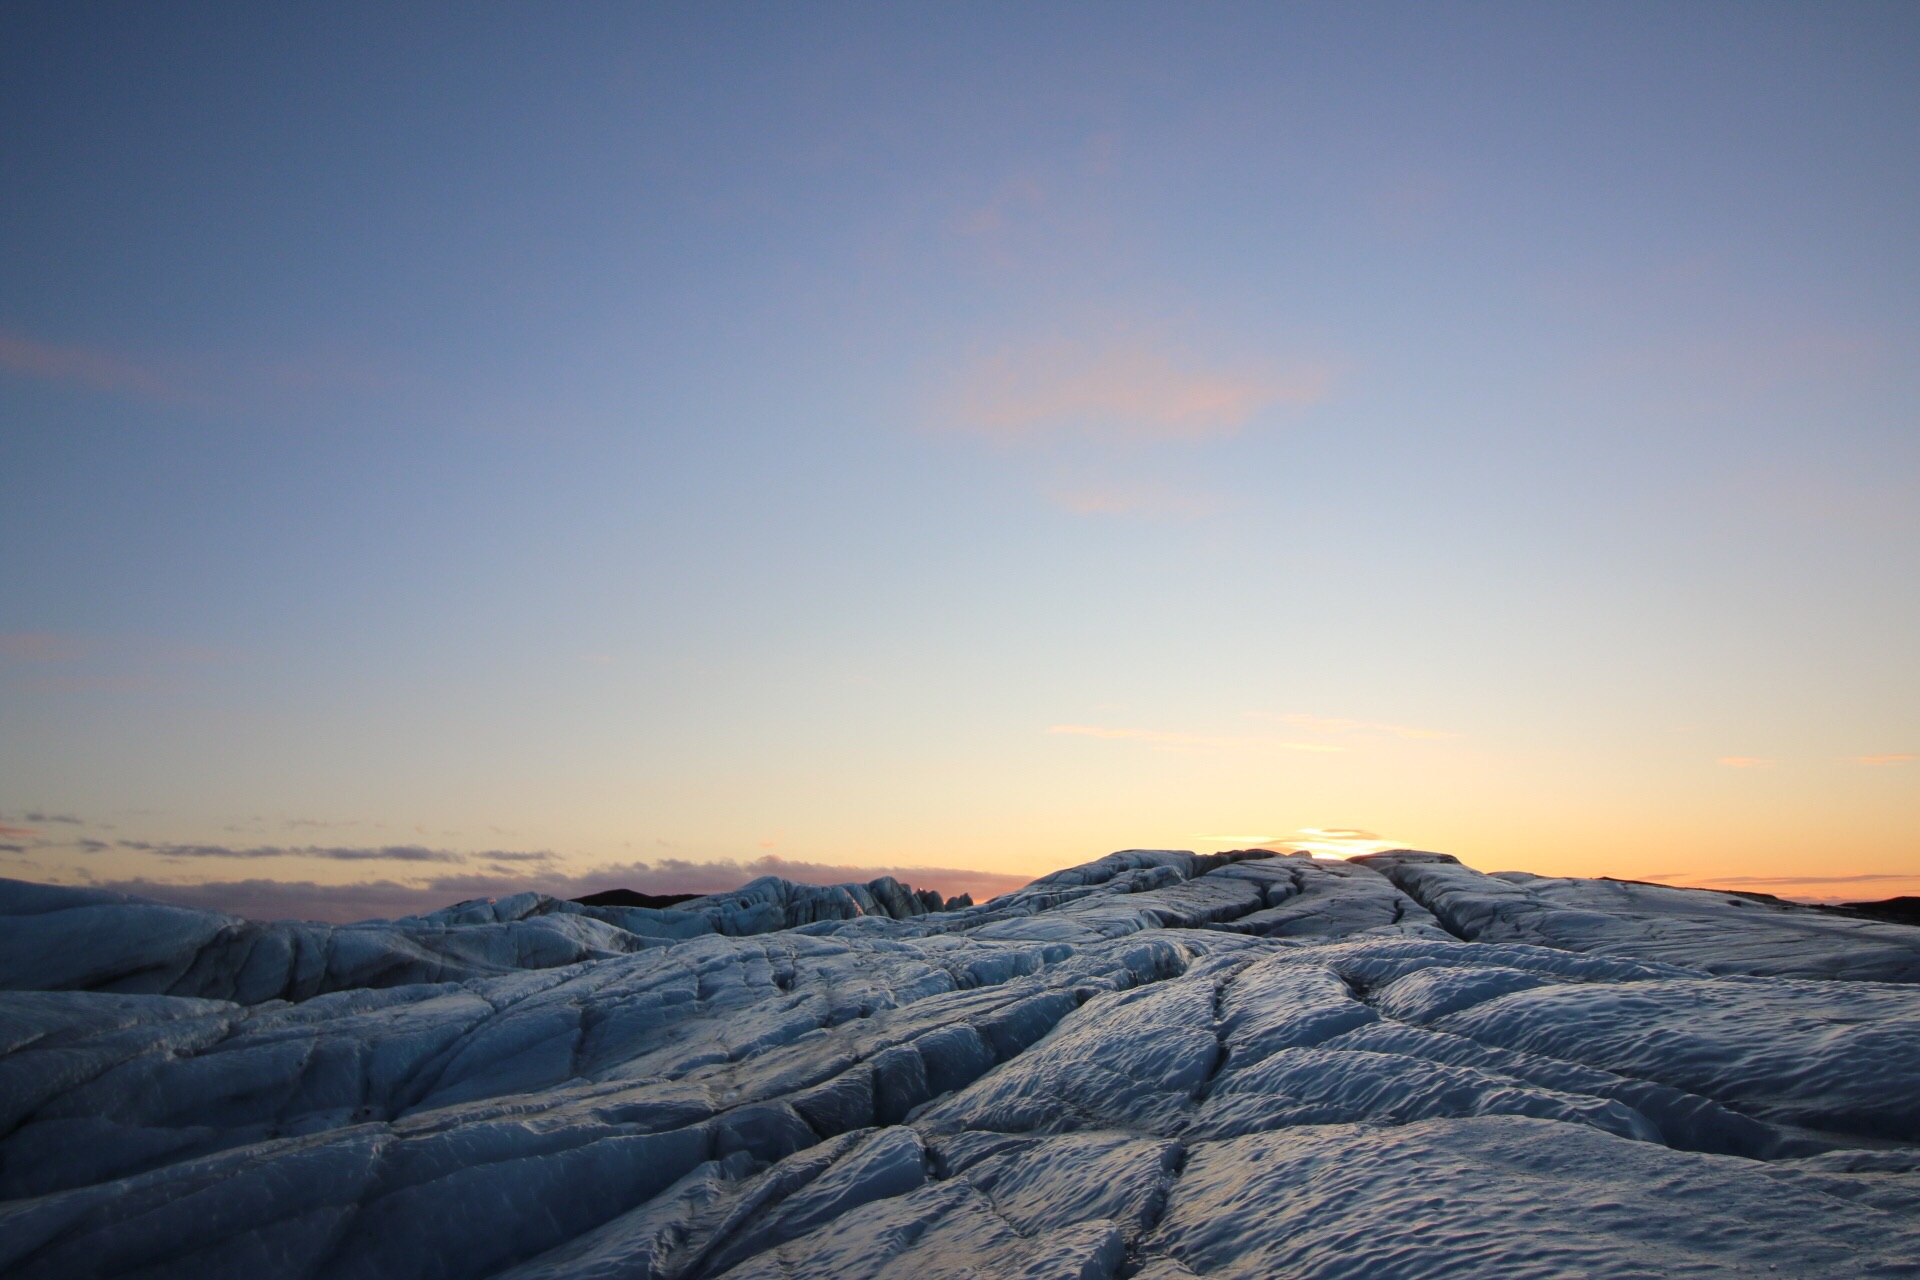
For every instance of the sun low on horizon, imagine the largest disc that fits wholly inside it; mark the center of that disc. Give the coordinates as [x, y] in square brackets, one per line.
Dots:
[446, 455]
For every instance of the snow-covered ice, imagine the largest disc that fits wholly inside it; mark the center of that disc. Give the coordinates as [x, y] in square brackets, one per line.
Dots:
[1155, 1065]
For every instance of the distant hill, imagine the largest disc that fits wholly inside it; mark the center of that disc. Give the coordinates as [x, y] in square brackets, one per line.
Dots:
[633, 898]
[1904, 910]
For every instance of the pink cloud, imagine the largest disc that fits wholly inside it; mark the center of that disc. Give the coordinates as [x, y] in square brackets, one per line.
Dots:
[1121, 391]
[1714, 372]
[38, 646]
[1865, 886]
[90, 684]
[1169, 738]
[208, 381]
[1410, 207]
[1124, 500]
[1897, 757]
[1334, 724]
[1018, 197]
[85, 366]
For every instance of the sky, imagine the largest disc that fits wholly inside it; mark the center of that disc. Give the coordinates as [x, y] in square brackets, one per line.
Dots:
[448, 451]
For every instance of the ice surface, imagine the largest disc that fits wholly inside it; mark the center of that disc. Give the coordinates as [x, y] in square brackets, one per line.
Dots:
[1159, 1064]
[1715, 932]
[55, 938]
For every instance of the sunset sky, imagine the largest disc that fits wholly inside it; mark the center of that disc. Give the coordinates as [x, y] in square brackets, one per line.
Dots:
[453, 450]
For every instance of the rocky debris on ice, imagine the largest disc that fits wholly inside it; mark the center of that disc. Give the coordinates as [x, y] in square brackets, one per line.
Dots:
[1158, 1065]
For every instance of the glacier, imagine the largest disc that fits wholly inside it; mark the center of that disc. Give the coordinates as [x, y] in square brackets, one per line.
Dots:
[1158, 1065]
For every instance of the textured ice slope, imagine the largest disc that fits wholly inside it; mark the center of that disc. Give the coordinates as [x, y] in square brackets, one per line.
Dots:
[1715, 932]
[1154, 1065]
[56, 938]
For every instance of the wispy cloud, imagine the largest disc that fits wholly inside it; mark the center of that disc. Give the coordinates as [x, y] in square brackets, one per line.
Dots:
[38, 646]
[1134, 500]
[1334, 724]
[381, 853]
[1016, 198]
[1862, 878]
[1745, 762]
[1410, 207]
[206, 380]
[1721, 367]
[1337, 842]
[17, 833]
[1040, 218]
[90, 684]
[65, 664]
[1121, 391]
[1897, 757]
[85, 366]
[1820, 492]
[1814, 888]
[1168, 738]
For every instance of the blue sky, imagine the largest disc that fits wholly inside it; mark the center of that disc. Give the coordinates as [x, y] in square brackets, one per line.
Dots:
[958, 437]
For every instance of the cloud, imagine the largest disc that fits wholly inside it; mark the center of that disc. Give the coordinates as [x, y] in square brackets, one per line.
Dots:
[91, 684]
[85, 366]
[1816, 492]
[1017, 198]
[1338, 842]
[1325, 724]
[1134, 500]
[66, 818]
[262, 899]
[38, 646]
[1168, 738]
[1722, 369]
[383, 853]
[1851, 879]
[67, 664]
[13, 848]
[289, 900]
[1864, 886]
[1745, 762]
[1409, 208]
[1120, 391]
[17, 833]
[1897, 757]
[1145, 735]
